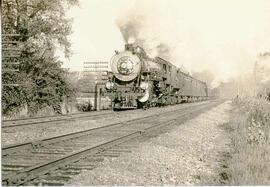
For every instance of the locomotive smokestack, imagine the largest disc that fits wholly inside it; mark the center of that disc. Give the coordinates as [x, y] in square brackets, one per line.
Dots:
[128, 47]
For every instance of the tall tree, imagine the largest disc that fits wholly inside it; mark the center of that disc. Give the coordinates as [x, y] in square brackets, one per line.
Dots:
[42, 26]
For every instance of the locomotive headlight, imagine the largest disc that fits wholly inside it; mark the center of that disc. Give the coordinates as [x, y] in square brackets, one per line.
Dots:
[109, 85]
[125, 65]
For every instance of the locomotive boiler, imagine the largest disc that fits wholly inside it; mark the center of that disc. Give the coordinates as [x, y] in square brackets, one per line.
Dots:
[138, 81]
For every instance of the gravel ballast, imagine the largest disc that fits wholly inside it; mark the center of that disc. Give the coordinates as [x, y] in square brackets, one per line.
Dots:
[20, 134]
[190, 154]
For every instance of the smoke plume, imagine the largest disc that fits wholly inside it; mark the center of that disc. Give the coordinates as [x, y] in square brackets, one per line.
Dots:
[136, 30]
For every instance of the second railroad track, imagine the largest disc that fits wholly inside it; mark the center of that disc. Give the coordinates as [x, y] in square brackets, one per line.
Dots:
[59, 157]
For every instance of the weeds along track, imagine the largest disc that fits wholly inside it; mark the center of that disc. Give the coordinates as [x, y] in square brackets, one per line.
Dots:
[55, 160]
[52, 119]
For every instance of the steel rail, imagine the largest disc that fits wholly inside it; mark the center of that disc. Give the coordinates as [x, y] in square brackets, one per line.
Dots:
[39, 117]
[6, 150]
[55, 118]
[33, 172]
[64, 117]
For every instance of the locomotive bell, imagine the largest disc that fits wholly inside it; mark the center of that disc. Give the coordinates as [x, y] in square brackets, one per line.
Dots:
[125, 66]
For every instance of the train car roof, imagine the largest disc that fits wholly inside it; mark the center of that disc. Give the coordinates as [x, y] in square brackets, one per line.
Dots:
[180, 70]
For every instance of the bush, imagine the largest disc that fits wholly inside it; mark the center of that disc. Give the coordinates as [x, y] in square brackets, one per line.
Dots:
[85, 107]
[249, 163]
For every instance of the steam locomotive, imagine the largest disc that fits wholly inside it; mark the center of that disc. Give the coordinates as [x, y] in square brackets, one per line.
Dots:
[138, 81]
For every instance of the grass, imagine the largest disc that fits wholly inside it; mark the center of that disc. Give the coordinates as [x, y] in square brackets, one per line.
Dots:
[249, 162]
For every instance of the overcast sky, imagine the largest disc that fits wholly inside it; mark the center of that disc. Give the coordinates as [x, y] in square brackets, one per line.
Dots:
[223, 36]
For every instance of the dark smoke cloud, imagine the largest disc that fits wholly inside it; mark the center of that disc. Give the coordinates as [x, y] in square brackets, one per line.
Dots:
[135, 30]
[130, 28]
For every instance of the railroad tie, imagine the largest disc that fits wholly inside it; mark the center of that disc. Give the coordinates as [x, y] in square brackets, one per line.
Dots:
[105, 154]
[118, 151]
[81, 167]
[69, 171]
[57, 177]
[51, 183]
[94, 159]
[6, 169]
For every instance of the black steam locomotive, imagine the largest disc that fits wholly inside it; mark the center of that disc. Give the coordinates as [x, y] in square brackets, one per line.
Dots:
[138, 81]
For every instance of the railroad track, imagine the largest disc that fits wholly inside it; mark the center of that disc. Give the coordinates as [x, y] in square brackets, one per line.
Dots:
[50, 119]
[54, 119]
[54, 160]
[7, 149]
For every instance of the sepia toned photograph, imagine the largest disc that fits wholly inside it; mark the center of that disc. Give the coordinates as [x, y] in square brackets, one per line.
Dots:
[135, 92]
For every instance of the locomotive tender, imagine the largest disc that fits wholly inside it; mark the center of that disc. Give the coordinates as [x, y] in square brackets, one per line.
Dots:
[138, 81]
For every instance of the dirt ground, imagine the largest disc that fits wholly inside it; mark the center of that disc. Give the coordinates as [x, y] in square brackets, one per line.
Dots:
[190, 154]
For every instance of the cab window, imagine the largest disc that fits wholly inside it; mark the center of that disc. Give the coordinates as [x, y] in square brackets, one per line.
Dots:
[165, 68]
